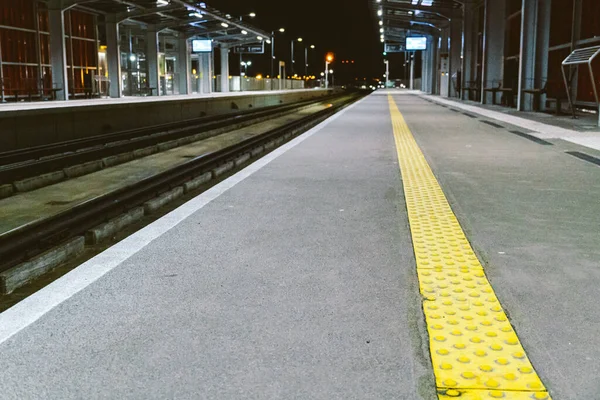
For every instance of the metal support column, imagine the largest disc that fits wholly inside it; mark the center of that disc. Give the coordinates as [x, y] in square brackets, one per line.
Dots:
[224, 69]
[412, 71]
[444, 72]
[469, 43]
[113, 57]
[152, 61]
[456, 54]
[58, 54]
[542, 45]
[527, 55]
[493, 53]
[184, 66]
[206, 72]
[2, 99]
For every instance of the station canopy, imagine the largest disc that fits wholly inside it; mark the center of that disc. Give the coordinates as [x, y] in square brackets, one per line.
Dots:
[191, 18]
[400, 18]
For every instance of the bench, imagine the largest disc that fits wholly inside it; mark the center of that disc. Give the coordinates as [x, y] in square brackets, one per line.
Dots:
[473, 89]
[537, 95]
[493, 89]
[508, 96]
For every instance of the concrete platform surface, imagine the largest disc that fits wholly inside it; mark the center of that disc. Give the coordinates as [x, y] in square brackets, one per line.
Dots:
[295, 278]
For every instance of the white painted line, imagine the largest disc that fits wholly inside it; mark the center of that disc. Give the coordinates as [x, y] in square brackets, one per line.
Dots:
[540, 130]
[38, 304]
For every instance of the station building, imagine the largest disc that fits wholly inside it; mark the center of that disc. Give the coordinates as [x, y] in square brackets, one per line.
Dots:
[500, 51]
[72, 48]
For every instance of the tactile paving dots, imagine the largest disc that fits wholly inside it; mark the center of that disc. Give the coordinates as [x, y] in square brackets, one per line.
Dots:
[475, 351]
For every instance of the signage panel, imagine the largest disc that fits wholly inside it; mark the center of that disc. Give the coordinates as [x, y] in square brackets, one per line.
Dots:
[250, 49]
[201, 46]
[394, 48]
[416, 43]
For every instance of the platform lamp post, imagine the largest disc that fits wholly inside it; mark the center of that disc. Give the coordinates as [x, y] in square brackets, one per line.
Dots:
[328, 60]
[2, 99]
[273, 58]
[293, 61]
[312, 46]
[387, 73]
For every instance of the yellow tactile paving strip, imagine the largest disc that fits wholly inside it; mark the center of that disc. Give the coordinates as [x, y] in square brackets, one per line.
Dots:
[475, 351]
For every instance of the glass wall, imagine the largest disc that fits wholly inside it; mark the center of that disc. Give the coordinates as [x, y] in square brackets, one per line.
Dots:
[24, 46]
[25, 49]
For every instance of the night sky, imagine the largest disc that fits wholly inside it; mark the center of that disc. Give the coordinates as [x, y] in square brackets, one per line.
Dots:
[345, 27]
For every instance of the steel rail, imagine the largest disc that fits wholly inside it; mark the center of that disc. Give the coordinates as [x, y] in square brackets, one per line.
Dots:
[20, 164]
[38, 236]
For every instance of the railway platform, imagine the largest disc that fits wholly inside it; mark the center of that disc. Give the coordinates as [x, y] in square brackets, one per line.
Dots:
[398, 250]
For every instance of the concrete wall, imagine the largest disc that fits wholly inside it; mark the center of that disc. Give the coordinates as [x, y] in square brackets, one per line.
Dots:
[28, 128]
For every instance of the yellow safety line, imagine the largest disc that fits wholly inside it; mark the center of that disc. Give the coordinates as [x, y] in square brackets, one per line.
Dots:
[475, 351]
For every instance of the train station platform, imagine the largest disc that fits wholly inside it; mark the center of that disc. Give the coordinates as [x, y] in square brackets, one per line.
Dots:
[399, 250]
[26, 125]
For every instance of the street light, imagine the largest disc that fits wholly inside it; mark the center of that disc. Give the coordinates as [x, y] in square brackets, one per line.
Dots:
[292, 45]
[328, 60]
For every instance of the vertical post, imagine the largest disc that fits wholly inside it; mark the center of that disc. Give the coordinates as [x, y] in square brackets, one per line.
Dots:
[96, 85]
[292, 67]
[387, 74]
[2, 99]
[326, 74]
[152, 61]
[468, 45]
[224, 69]
[527, 56]
[455, 56]
[58, 56]
[412, 71]
[485, 6]
[38, 51]
[305, 60]
[542, 45]
[113, 57]
[493, 61]
[184, 66]
[272, 55]
[71, 62]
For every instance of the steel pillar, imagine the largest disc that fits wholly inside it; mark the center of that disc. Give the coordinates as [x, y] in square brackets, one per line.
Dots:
[493, 53]
[455, 50]
[184, 66]
[58, 54]
[224, 69]
[113, 58]
[152, 61]
[527, 55]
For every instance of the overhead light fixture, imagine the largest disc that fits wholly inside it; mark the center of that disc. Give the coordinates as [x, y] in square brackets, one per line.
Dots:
[380, 12]
[380, 23]
[259, 37]
[281, 30]
[244, 32]
[252, 15]
[224, 25]
[163, 2]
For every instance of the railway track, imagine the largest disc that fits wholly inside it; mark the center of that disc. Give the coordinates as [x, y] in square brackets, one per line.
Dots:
[36, 239]
[26, 163]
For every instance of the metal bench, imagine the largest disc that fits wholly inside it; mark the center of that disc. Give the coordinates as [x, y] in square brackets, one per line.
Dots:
[537, 95]
[473, 89]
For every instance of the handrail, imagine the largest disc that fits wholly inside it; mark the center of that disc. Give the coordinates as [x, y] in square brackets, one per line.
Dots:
[577, 57]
